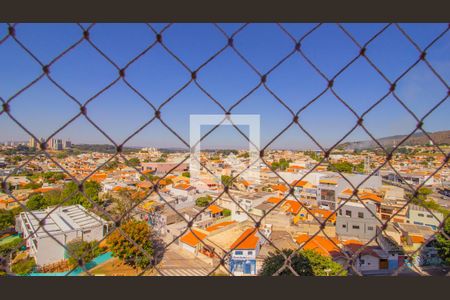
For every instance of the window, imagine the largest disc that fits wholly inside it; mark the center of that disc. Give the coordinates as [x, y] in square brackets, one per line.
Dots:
[369, 228]
[348, 213]
[361, 215]
[344, 226]
[238, 252]
[86, 231]
[355, 226]
[429, 216]
[250, 253]
[420, 215]
[327, 195]
[340, 212]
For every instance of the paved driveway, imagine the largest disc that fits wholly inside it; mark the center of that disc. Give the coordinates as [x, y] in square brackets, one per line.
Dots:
[179, 262]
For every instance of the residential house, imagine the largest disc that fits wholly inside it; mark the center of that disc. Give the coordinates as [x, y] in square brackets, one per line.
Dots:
[354, 220]
[65, 224]
[421, 216]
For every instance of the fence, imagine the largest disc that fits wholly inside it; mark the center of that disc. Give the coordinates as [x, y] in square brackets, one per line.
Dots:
[298, 43]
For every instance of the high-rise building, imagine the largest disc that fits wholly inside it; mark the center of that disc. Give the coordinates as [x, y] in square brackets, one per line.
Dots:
[67, 144]
[33, 143]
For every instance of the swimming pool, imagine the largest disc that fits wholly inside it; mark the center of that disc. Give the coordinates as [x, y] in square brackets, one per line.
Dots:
[93, 263]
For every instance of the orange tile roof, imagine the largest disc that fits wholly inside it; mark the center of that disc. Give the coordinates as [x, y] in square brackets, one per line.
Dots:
[347, 191]
[370, 196]
[44, 189]
[296, 167]
[219, 226]
[350, 242]
[8, 200]
[280, 187]
[355, 245]
[247, 240]
[417, 239]
[292, 206]
[98, 177]
[245, 183]
[324, 213]
[274, 200]
[327, 181]
[182, 186]
[191, 239]
[300, 183]
[145, 184]
[319, 244]
[215, 209]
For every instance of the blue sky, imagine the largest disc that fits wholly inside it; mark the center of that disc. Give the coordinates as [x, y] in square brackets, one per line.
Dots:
[119, 111]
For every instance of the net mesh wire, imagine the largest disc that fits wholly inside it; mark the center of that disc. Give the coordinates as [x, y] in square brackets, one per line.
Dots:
[159, 112]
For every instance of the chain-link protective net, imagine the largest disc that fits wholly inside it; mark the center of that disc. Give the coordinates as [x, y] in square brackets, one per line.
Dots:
[157, 42]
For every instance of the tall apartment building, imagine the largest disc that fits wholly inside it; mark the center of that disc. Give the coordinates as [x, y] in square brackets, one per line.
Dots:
[56, 144]
[33, 143]
[67, 144]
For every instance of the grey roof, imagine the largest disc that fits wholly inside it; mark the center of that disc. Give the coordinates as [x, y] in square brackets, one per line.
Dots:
[63, 219]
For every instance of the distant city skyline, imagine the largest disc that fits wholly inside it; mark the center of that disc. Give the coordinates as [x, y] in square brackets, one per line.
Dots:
[43, 108]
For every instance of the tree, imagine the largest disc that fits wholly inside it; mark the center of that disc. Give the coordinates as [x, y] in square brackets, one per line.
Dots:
[124, 201]
[282, 164]
[443, 244]
[53, 197]
[111, 165]
[7, 248]
[186, 174]
[359, 168]
[203, 201]
[304, 262]
[6, 219]
[23, 266]
[82, 249]
[244, 155]
[226, 212]
[91, 189]
[344, 167]
[35, 202]
[313, 155]
[134, 162]
[32, 185]
[122, 248]
[52, 177]
[226, 180]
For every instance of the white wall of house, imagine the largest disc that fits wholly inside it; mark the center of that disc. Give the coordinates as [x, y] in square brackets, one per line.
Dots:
[188, 248]
[354, 220]
[423, 217]
[368, 263]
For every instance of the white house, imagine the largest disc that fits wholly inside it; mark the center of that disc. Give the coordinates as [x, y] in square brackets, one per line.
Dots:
[421, 216]
[65, 224]
[356, 221]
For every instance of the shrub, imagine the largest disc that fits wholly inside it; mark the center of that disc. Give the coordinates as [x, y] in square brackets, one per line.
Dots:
[122, 248]
[24, 266]
[203, 201]
[304, 262]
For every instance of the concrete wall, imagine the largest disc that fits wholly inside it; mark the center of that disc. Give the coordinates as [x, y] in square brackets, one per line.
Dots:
[371, 263]
[354, 226]
[424, 218]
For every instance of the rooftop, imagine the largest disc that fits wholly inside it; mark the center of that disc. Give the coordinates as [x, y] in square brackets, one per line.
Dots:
[63, 219]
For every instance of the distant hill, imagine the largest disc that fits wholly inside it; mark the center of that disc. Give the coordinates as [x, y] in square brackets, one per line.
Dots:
[419, 138]
[105, 148]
